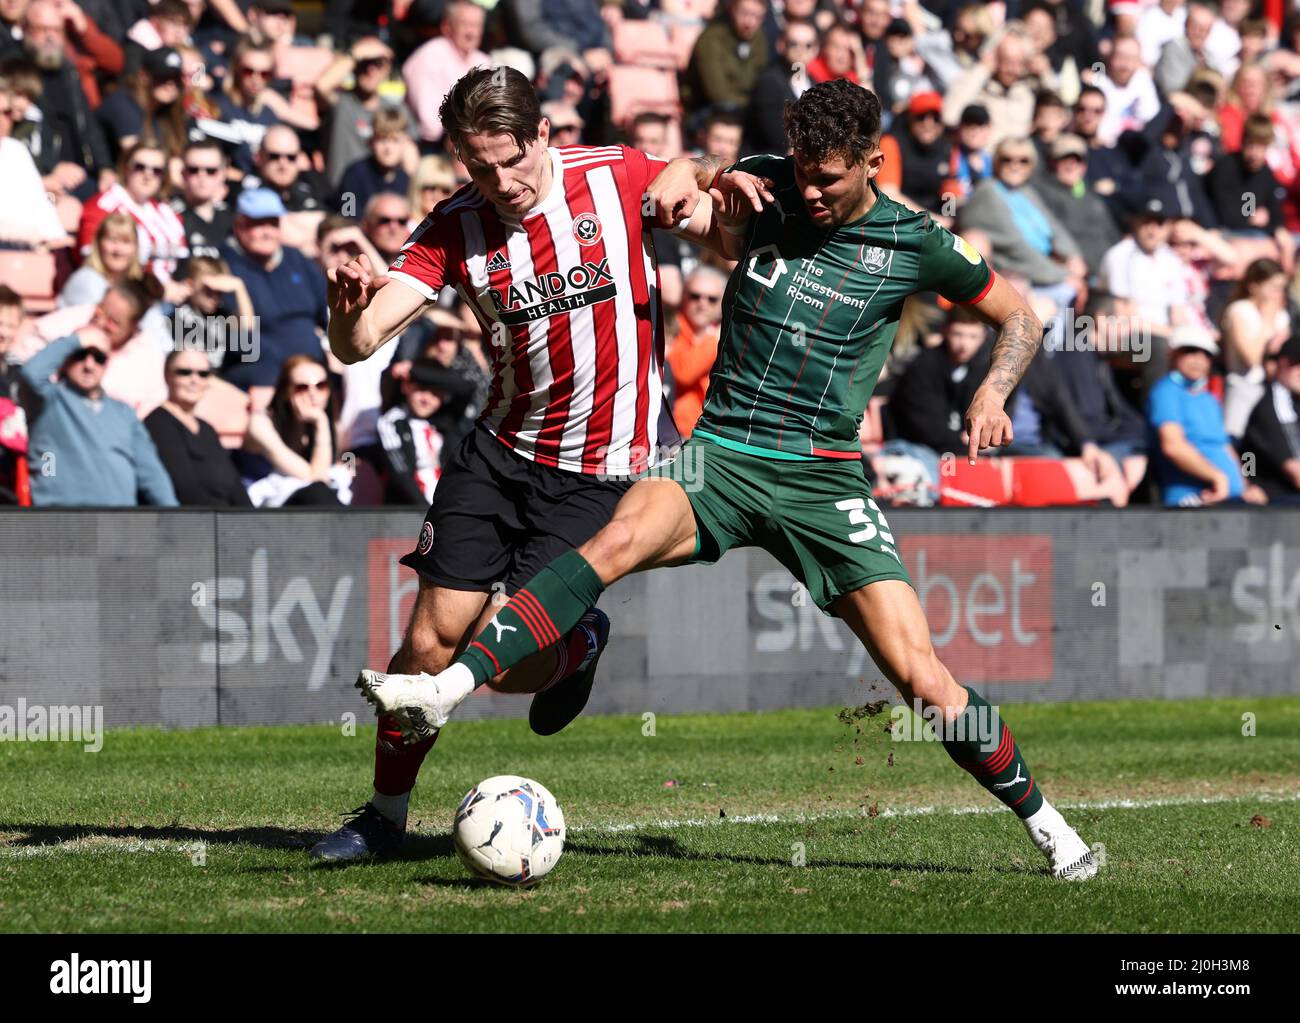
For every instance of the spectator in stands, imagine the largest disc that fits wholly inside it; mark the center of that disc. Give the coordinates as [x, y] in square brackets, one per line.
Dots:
[218, 319]
[410, 448]
[925, 154]
[207, 218]
[1049, 58]
[91, 449]
[722, 135]
[540, 25]
[274, 24]
[1273, 431]
[1002, 85]
[1051, 118]
[931, 397]
[384, 170]
[782, 81]
[694, 349]
[433, 181]
[166, 26]
[1147, 279]
[566, 123]
[200, 469]
[874, 65]
[1066, 192]
[12, 319]
[287, 289]
[1158, 24]
[1255, 324]
[1194, 460]
[387, 223]
[971, 162]
[649, 133]
[841, 56]
[74, 136]
[1170, 165]
[340, 239]
[909, 73]
[369, 63]
[949, 54]
[295, 438]
[279, 166]
[1252, 93]
[431, 71]
[26, 217]
[1183, 54]
[247, 105]
[1075, 36]
[1130, 91]
[114, 256]
[143, 169]
[728, 57]
[1246, 195]
[1027, 237]
[148, 106]
[1109, 170]
[135, 330]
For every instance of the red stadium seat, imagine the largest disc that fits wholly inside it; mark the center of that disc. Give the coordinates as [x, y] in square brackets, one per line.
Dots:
[226, 407]
[31, 274]
[1041, 482]
[303, 64]
[634, 90]
[982, 485]
[682, 39]
[22, 482]
[643, 43]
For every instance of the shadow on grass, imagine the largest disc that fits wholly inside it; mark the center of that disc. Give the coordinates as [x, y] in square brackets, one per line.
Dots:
[56, 834]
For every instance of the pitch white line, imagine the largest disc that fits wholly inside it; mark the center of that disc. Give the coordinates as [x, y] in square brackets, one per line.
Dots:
[922, 811]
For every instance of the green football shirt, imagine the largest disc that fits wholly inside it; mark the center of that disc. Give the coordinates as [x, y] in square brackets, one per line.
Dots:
[810, 315]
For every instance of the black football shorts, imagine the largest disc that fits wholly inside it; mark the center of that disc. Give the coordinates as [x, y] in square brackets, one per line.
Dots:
[498, 517]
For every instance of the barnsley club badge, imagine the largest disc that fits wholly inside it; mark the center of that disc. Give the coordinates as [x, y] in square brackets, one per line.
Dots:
[874, 258]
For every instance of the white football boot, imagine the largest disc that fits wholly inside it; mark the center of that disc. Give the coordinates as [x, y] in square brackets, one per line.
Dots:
[1067, 853]
[415, 702]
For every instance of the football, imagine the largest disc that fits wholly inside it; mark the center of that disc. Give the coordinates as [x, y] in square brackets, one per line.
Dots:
[509, 830]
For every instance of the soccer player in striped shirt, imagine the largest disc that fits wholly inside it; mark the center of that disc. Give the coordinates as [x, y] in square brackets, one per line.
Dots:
[826, 262]
[551, 250]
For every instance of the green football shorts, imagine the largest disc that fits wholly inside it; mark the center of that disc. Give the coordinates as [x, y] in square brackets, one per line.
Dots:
[817, 518]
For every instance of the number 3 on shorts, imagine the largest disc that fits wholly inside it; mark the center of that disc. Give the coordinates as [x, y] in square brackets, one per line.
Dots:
[856, 506]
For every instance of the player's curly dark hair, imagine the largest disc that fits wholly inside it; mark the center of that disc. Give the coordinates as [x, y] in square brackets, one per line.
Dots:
[835, 118]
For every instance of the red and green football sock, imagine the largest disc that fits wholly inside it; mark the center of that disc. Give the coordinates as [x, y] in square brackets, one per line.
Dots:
[989, 752]
[543, 612]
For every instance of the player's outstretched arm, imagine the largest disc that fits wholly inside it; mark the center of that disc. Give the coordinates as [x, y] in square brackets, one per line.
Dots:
[1020, 334]
[719, 220]
[365, 313]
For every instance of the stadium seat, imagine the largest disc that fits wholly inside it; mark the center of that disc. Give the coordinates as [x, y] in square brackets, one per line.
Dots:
[634, 90]
[226, 407]
[985, 484]
[682, 39]
[31, 274]
[644, 43]
[1041, 482]
[303, 64]
[22, 482]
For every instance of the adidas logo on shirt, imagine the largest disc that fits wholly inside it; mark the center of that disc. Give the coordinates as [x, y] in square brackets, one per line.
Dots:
[498, 262]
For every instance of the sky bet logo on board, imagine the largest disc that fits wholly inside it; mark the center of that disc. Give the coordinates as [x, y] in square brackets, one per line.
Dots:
[554, 292]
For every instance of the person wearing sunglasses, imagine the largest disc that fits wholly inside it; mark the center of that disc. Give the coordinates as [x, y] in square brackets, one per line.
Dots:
[785, 79]
[693, 351]
[291, 452]
[143, 171]
[924, 151]
[148, 105]
[92, 449]
[386, 223]
[201, 470]
[202, 203]
[369, 63]
[1026, 235]
[248, 105]
[431, 71]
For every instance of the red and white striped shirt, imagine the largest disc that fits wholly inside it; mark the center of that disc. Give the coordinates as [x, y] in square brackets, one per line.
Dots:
[161, 234]
[571, 291]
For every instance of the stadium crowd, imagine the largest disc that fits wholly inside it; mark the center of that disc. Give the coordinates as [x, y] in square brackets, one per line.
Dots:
[179, 175]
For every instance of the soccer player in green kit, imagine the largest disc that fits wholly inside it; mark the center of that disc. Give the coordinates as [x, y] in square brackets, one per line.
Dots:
[825, 264]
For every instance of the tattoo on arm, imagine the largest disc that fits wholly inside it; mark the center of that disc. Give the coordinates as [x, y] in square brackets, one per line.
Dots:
[706, 167]
[1017, 343]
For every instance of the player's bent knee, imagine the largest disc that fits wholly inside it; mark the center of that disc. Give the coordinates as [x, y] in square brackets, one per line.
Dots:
[424, 650]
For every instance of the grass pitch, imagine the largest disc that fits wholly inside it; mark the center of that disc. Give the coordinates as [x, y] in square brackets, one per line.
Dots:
[807, 820]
